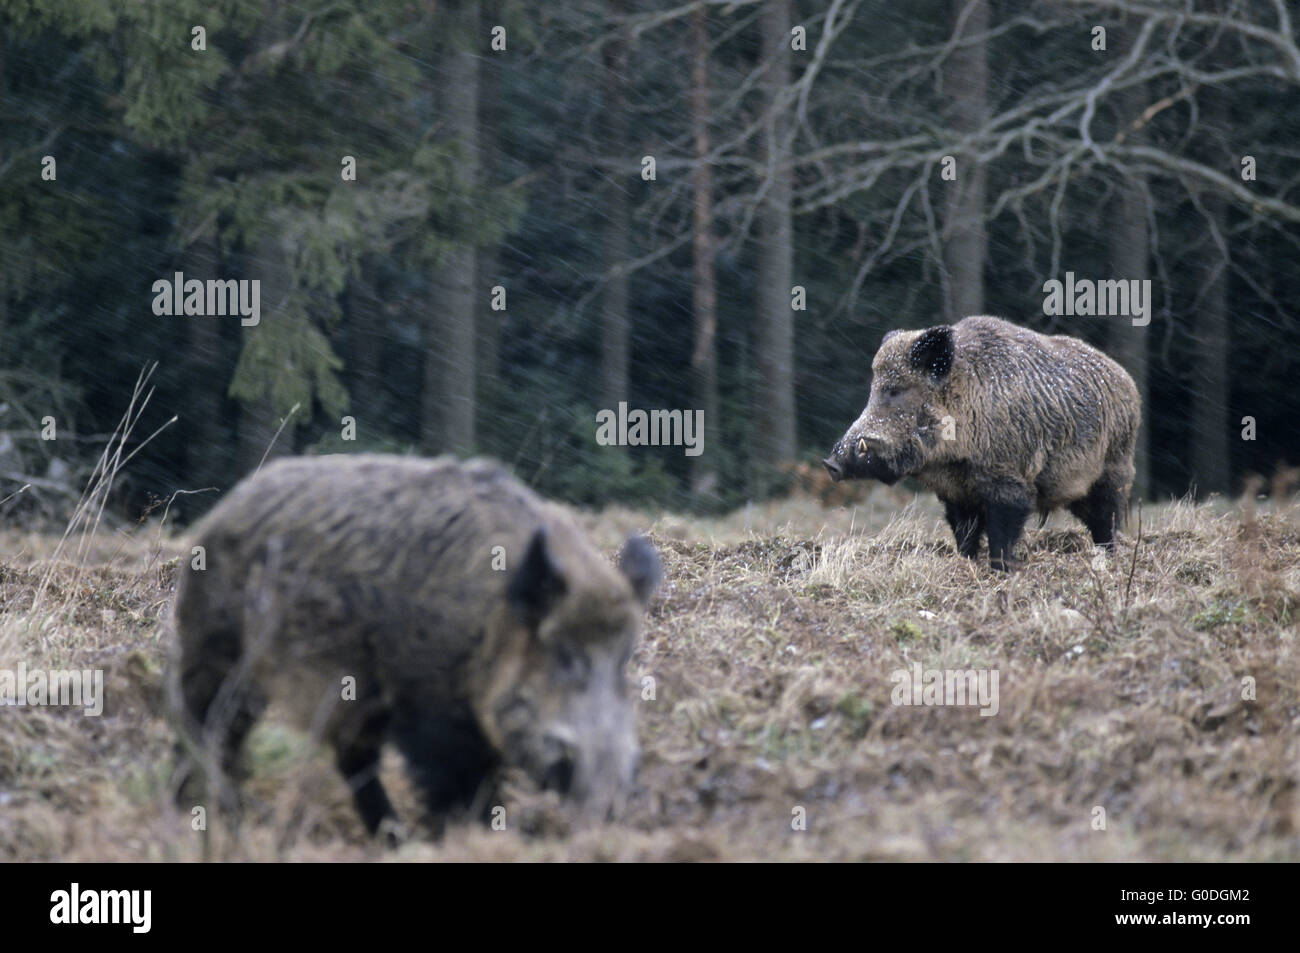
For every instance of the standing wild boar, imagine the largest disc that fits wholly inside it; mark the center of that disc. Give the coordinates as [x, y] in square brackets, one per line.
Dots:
[998, 421]
[437, 604]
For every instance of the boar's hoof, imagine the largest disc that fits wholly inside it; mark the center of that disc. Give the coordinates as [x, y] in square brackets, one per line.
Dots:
[392, 833]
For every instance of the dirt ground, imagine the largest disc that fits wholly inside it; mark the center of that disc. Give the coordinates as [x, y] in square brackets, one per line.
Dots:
[1147, 706]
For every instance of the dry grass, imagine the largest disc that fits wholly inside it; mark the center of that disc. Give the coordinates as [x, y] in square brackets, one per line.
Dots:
[771, 646]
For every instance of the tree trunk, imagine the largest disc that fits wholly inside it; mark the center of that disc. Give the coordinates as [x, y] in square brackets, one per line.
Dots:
[704, 357]
[488, 264]
[774, 410]
[258, 422]
[489, 321]
[206, 457]
[4, 314]
[4, 273]
[965, 247]
[1130, 248]
[1211, 341]
[615, 326]
[364, 363]
[447, 421]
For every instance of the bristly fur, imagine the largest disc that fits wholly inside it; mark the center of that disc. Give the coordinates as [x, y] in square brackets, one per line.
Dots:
[999, 421]
[476, 623]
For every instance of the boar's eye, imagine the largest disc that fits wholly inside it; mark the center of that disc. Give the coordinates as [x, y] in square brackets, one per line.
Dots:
[573, 664]
[894, 391]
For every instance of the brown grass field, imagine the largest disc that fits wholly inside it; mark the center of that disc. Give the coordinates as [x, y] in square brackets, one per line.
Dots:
[771, 645]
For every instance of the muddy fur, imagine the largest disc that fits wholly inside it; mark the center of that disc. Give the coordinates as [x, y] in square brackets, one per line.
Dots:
[999, 421]
[478, 626]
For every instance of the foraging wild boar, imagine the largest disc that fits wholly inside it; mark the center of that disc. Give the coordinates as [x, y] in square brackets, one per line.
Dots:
[440, 605]
[999, 421]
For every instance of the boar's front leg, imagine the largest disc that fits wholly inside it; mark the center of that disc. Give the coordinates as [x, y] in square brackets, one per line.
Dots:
[968, 525]
[1008, 508]
[447, 756]
[357, 749]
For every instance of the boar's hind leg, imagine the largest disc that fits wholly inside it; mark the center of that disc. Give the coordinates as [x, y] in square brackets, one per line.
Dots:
[1008, 509]
[968, 525]
[357, 749]
[1102, 511]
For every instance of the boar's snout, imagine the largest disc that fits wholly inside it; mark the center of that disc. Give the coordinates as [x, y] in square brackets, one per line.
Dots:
[853, 456]
[561, 762]
[589, 754]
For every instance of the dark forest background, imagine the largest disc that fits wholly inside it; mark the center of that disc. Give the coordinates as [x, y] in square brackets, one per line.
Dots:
[795, 144]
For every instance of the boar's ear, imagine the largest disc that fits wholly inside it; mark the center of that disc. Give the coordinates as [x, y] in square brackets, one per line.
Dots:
[640, 563]
[932, 352]
[537, 584]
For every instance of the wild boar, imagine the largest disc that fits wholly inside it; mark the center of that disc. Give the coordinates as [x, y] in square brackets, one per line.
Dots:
[998, 421]
[441, 605]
